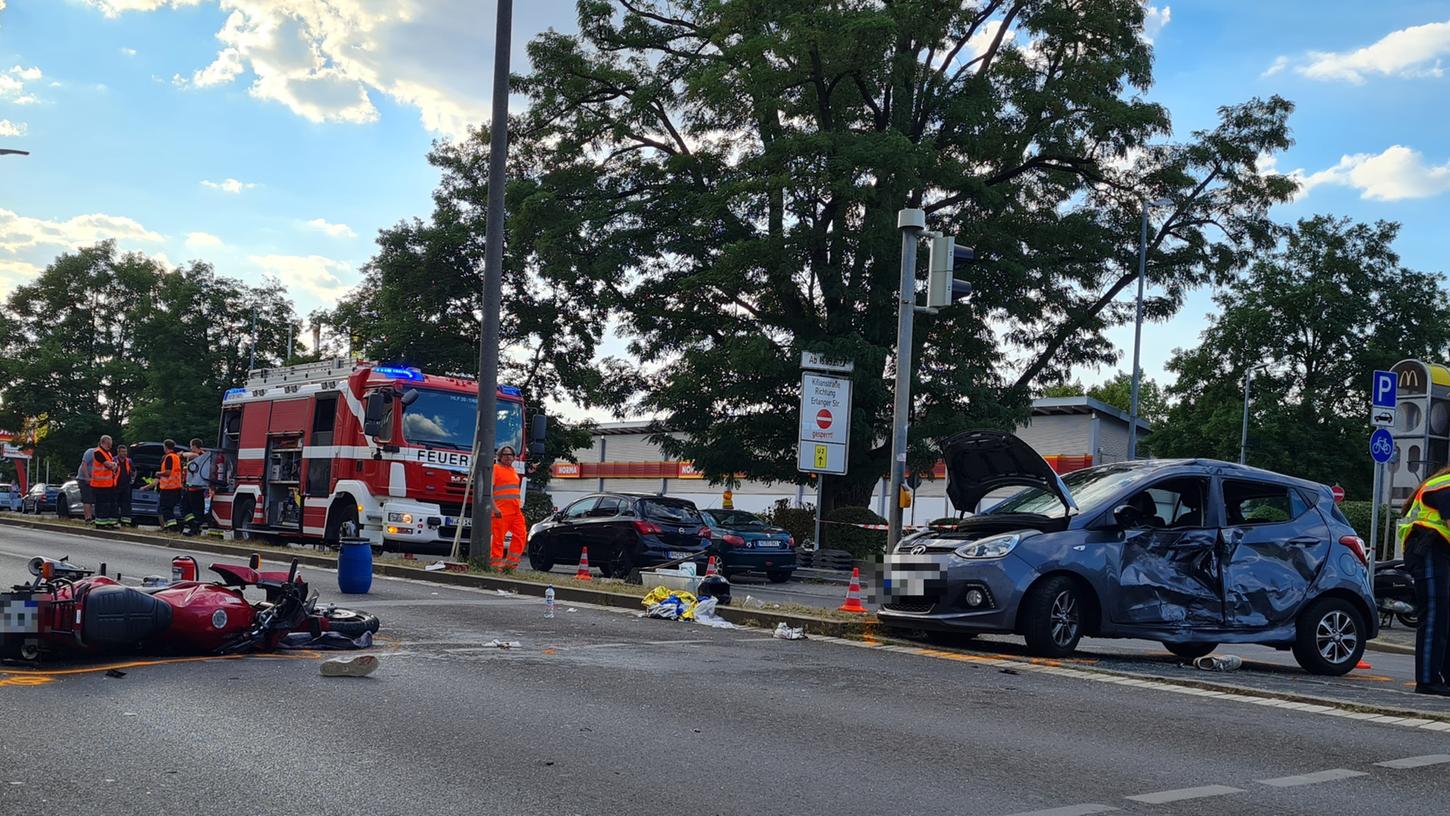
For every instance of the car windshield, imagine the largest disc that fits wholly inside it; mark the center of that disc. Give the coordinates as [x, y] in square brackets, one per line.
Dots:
[736, 520]
[671, 512]
[1090, 488]
[446, 419]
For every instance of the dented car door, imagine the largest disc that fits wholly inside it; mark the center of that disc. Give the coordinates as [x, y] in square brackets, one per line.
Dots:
[1275, 545]
[1170, 573]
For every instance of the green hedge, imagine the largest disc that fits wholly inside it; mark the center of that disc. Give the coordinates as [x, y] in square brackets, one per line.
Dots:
[1359, 512]
[800, 522]
[862, 544]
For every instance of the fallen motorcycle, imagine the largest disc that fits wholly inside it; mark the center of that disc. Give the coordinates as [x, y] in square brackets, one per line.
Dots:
[70, 610]
[1394, 593]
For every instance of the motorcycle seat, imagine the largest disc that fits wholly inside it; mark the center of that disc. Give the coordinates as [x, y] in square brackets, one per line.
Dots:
[118, 615]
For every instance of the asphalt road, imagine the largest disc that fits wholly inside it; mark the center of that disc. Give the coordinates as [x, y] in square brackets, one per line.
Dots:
[600, 711]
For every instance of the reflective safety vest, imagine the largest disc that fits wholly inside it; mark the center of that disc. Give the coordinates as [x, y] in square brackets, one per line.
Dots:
[101, 475]
[1423, 515]
[506, 484]
[171, 474]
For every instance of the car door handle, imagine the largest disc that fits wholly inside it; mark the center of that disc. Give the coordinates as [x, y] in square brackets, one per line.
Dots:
[1304, 541]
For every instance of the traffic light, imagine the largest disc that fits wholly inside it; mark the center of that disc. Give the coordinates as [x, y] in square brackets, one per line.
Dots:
[941, 288]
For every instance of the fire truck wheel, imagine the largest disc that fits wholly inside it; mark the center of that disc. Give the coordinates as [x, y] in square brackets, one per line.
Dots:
[242, 511]
[342, 521]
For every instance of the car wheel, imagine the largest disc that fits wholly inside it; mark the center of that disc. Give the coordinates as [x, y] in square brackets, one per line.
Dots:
[1052, 618]
[778, 576]
[1330, 637]
[1190, 651]
[540, 562]
[62, 509]
[242, 510]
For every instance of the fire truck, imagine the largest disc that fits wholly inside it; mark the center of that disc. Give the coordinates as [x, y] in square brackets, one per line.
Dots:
[344, 448]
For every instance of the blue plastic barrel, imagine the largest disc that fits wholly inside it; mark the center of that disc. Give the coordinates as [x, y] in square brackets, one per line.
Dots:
[355, 566]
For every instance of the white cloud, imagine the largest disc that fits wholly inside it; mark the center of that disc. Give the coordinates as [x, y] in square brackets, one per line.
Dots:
[15, 273]
[331, 230]
[128, 52]
[18, 232]
[311, 275]
[12, 84]
[1155, 19]
[9, 128]
[231, 185]
[1280, 63]
[1410, 52]
[1396, 174]
[202, 240]
[327, 60]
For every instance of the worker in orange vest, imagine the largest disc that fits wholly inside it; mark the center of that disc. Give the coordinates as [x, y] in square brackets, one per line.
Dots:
[169, 484]
[103, 483]
[508, 511]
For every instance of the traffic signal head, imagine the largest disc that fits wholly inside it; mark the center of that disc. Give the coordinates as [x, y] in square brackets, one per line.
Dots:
[944, 255]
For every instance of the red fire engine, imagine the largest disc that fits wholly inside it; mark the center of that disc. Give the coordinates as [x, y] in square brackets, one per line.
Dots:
[338, 448]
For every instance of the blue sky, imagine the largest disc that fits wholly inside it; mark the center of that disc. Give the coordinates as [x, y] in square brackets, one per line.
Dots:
[277, 136]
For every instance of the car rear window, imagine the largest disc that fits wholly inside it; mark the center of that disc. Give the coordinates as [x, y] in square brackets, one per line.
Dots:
[673, 512]
[737, 519]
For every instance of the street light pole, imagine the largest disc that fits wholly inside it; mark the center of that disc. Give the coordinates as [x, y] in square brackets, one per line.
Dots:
[911, 222]
[481, 537]
[1244, 436]
[1138, 326]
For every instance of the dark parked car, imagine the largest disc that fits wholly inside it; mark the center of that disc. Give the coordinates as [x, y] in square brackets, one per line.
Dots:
[145, 504]
[1192, 553]
[40, 499]
[623, 531]
[745, 542]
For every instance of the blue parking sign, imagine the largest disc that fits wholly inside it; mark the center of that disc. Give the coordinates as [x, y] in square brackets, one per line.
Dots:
[1382, 389]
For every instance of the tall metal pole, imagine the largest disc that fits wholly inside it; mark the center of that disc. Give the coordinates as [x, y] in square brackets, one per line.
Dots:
[911, 223]
[481, 539]
[1244, 437]
[1138, 336]
[820, 489]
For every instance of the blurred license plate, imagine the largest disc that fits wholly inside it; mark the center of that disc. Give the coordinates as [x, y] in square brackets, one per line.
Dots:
[768, 545]
[682, 554]
[453, 521]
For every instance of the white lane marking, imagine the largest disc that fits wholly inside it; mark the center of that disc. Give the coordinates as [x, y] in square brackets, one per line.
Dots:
[1332, 775]
[1416, 761]
[1070, 810]
[1164, 797]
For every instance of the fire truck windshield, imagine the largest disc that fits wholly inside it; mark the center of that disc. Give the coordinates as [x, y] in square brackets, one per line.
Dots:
[445, 419]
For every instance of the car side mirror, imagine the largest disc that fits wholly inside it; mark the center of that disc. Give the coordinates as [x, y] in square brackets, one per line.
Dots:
[1127, 516]
[373, 415]
[409, 397]
[538, 430]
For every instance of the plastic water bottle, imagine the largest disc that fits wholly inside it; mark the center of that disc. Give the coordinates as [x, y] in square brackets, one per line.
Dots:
[549, 602]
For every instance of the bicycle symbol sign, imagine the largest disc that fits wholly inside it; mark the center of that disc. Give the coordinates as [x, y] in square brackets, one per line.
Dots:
[1381, 446]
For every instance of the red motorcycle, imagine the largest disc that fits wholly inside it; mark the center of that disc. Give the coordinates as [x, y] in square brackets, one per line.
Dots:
[67, 609]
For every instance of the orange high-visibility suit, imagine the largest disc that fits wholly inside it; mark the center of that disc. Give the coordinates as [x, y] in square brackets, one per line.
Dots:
[508, 516]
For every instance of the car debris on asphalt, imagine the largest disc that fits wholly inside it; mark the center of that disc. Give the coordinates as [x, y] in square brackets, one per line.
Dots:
[784, 632]
[504, 644]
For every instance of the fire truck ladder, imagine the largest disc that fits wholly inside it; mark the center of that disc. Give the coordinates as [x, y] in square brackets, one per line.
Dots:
[300, 374]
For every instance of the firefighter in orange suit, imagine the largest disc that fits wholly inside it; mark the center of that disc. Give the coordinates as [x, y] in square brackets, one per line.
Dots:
[508, 511]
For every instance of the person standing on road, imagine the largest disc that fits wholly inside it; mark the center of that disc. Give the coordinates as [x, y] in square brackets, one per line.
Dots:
[1426, 544]
[125, 481]
[508, 511]
[169, 484]
[83, 479]
[103, 483]
[193, 499]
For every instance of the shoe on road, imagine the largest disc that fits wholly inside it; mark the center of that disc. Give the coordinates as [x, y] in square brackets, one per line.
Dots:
[360, 666]
[1438, 689]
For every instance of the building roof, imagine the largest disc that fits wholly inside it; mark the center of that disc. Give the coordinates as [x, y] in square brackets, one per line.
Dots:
[1082, 405]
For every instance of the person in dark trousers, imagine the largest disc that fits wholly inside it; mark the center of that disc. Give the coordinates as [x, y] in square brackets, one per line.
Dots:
[193, 498]
[83, 480]
[103, 483]
[169, 484]
[1426, 544]
[125, 481]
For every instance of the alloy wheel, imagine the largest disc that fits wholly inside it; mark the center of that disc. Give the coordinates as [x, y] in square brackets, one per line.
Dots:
[1336, 637]
[1064, 618]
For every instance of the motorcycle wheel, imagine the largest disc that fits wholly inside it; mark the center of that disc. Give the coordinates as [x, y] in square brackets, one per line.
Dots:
[350, 623]
[1410, 619]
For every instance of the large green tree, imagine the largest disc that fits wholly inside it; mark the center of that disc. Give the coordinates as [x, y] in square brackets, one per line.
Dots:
[1319, 314]
[725, 176]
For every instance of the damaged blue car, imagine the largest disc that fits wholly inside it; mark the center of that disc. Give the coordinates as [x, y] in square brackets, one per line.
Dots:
[1191, 553]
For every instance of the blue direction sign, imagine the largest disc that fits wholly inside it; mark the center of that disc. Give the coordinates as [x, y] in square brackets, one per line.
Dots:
[1381, 445]
[1382, 389]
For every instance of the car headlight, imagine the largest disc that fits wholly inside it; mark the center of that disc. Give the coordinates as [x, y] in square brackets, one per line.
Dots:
[989, 547]
[405, 518]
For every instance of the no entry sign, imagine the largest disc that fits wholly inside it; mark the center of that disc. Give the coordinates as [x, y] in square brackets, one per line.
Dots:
[823, 419]
[1338, 493]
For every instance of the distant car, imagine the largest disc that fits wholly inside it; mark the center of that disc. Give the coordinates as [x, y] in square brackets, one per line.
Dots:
[68, 504]
[745, 542]
[40, 499]
[10, 497]
[623, 531]
[1191, 553]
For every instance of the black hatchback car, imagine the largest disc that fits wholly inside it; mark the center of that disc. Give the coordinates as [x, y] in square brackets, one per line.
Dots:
[623, 531]
[1191, 553]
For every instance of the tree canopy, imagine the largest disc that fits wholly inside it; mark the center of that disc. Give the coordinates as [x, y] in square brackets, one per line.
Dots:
[1118, 392]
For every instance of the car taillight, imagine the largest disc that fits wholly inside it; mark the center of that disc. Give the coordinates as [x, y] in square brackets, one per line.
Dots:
[1356, 546]
[706, 533]
[647, 528]
[734, 540]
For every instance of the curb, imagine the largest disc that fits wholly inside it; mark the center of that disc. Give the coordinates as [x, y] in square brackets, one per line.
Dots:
[598, 597]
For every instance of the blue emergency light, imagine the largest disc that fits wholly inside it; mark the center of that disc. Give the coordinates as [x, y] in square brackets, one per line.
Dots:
[399, 372]
[510, 391]
[234, 393]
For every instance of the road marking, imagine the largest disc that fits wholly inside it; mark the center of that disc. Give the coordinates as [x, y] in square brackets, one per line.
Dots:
[1070, 810]
[1164, 797]
[1333, 775]
[1416, 761]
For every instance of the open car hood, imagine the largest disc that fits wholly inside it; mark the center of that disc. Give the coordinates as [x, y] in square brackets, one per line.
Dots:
[980, 462]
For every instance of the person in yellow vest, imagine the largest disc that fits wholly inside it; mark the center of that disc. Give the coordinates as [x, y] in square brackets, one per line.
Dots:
[103, 483]
[508, 511]
[169, 484]
[1426, 544]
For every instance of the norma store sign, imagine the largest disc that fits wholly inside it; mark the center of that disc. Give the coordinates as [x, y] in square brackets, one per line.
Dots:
[825, 423]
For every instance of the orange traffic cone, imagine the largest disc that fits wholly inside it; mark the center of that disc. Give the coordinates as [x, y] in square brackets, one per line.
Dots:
[710, 568]
[1363, 664]
[583, 573]
[853, 593]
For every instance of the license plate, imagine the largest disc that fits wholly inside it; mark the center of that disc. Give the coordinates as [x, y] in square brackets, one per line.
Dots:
[453, 521]
[682, 554]
[768, 545]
